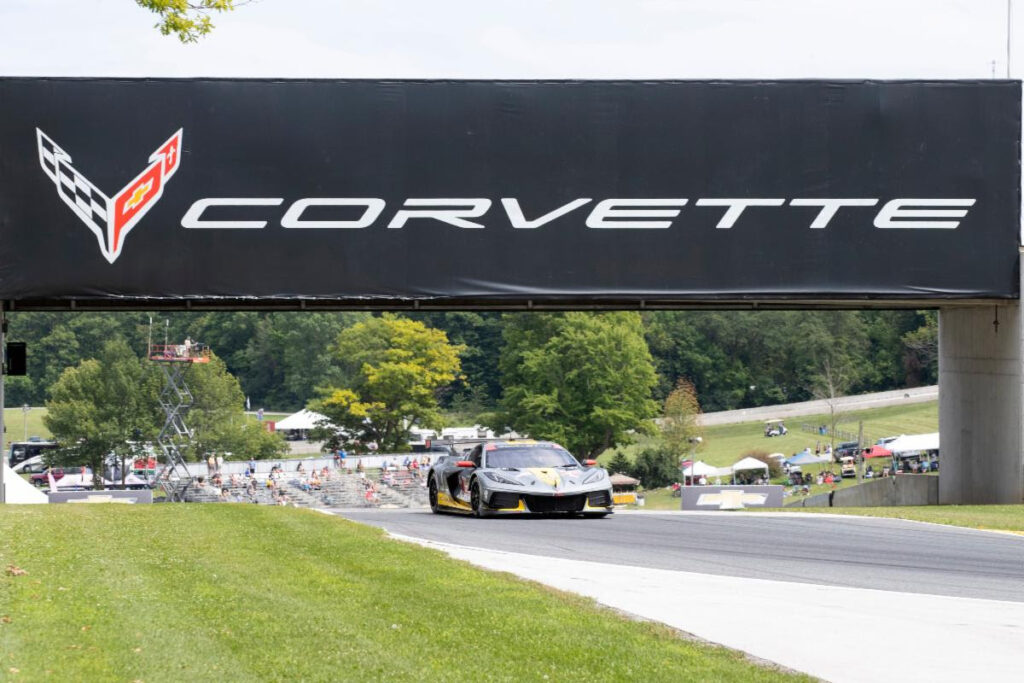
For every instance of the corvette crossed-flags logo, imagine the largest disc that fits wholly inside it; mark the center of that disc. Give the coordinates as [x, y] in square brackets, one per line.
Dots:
[110, 219]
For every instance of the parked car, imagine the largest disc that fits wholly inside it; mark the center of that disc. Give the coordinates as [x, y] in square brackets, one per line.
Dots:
[845, 449]
[42, 479]
[30, 466]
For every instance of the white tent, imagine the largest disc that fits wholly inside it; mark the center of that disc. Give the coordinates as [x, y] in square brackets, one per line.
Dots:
[17, 490]
[702, 469]
[304, 419]
[908, 443]
[749, 464]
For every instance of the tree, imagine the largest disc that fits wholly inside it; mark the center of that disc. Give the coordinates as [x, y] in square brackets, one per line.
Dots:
[99, 406]
[656, 467]
[679, 429]
[217, 417]
[389, 372]
[921, 353]
[480, 333]
[829, 385]
[189, 20]
[581, 379]
[619, 463]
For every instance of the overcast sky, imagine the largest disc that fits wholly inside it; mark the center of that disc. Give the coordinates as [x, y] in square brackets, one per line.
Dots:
[522, 39]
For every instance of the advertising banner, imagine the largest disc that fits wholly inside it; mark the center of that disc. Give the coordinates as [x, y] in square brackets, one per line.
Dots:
[376, 193]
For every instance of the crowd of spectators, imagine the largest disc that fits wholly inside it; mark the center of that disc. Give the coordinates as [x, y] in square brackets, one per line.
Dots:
[254, 487]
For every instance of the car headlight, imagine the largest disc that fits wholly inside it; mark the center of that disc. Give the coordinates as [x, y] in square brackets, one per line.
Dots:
[596, 475]
[494, 476]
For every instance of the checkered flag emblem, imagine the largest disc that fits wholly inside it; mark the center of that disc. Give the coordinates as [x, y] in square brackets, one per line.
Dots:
[110, 219]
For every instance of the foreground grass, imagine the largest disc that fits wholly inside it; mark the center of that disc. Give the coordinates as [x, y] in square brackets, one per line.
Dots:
[998, 517]
[233, 592]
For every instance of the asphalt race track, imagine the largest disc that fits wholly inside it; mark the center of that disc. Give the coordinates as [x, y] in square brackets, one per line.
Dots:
[882, 554]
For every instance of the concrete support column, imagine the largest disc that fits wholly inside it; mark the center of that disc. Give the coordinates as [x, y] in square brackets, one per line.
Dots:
[981, 399]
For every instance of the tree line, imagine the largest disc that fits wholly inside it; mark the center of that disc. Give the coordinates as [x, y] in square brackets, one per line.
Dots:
[734, 359]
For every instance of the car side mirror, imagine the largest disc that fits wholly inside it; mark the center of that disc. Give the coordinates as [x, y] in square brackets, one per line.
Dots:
[465, 463]
[589, 463]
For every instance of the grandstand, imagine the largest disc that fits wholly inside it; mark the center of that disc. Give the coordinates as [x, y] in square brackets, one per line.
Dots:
[338, 489]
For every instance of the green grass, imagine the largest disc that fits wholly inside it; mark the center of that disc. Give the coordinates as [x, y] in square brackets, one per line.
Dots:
[236, 592]
[1000, 517]
[725, 444]
[16, 421]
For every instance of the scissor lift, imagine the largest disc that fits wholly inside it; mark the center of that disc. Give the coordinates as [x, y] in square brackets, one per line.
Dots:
[176, 399]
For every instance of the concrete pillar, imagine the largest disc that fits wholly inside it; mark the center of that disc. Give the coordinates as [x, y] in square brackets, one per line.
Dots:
[981, 399]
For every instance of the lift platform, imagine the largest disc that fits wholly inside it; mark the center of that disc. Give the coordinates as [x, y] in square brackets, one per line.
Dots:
[176, 399]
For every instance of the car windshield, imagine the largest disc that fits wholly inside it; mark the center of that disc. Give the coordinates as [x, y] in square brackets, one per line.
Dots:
[519, 458]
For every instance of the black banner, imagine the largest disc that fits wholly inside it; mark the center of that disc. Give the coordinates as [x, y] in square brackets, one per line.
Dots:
[161, 192]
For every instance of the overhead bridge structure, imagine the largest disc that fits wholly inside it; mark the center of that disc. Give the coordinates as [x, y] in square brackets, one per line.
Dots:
[122, 194]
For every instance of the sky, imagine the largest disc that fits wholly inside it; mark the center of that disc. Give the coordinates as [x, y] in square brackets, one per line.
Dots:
[523, 39]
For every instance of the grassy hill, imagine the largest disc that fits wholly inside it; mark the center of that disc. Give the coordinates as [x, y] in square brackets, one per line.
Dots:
[725, 444]
[19, 423]
[244, 592]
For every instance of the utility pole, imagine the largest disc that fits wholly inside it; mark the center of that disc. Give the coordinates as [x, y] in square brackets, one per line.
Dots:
[860, 450]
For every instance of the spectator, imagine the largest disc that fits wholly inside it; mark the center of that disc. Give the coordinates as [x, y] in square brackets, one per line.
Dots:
[300, 469]
[225, 495]
[252, 466]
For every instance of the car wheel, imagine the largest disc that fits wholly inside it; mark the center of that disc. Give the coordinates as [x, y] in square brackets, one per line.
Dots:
[432, 495]
[475, 501]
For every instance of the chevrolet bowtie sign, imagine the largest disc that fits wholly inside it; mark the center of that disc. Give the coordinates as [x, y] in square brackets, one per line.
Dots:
[454, 193]
[712, 498]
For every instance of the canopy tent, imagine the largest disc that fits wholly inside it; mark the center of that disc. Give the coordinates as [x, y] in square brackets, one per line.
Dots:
[702, 469]
[915, 443]
[749, 463]
[877, 451]
[304, 419]
[806, 458]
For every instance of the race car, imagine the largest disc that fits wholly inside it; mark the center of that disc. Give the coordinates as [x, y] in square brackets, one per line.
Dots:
[520, 476]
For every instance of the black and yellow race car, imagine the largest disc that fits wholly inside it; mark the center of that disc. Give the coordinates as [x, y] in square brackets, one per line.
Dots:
[519, 476]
